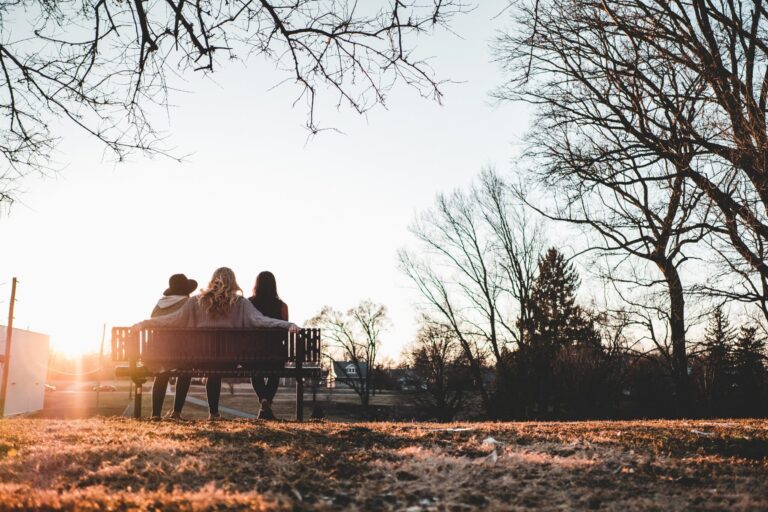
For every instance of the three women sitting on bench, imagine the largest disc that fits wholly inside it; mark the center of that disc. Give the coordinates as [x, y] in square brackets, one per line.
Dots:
[221, 304]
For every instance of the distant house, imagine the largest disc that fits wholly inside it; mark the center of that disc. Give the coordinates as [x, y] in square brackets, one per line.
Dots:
[346, 373]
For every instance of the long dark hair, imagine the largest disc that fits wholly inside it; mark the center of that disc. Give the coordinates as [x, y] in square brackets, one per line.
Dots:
[265, 297]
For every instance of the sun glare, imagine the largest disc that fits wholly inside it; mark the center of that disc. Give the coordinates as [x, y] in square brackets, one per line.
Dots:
[70, 346]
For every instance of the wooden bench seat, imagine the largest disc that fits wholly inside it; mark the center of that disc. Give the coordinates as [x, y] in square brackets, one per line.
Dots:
[220, 352]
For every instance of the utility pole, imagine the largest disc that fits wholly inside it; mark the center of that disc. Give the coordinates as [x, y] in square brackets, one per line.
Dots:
[7, 356]
[99, 371]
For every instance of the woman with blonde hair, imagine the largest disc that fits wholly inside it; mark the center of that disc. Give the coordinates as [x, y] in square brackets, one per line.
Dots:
[220, 304]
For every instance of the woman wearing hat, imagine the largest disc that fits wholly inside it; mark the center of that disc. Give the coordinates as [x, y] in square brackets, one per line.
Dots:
[173, 299]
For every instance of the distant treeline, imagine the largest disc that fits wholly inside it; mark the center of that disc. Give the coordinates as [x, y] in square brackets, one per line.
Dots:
[646, 153]
[575, 364]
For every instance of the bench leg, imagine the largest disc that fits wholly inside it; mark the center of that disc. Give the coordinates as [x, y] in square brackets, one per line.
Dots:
[137, 399]
[299, 399]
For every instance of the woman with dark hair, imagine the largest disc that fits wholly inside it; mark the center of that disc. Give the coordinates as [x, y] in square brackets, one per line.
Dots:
[267, 301]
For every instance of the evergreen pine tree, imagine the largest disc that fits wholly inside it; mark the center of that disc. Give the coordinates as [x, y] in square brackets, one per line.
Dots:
[558, 334]
[749, 372]
[556, 319]
[718, 344]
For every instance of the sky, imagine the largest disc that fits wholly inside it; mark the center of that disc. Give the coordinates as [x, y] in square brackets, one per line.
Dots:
[95, 244]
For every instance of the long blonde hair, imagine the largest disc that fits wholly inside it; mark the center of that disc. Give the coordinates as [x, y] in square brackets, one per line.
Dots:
[221, 294]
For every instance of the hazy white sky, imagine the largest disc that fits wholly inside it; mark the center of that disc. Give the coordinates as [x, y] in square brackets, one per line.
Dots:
[97, 244]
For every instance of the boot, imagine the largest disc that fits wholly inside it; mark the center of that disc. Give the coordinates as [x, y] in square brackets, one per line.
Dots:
[173, 415]
[317, 413]
[265, 413]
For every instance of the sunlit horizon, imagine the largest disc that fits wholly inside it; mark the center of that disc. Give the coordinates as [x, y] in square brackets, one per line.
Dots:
[326, 213]
[73, 350]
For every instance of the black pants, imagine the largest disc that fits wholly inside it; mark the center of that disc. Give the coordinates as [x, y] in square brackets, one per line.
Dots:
[268, 390]
[213, 390]
[158, 392]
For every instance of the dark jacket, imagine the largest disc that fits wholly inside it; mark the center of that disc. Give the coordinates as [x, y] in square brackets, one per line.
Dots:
[274, 309]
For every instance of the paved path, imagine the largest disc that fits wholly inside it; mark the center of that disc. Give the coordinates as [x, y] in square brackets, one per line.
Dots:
[226, 410]
[128, 412]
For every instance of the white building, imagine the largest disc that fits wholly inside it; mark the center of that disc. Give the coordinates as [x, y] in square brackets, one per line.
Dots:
[28, 370]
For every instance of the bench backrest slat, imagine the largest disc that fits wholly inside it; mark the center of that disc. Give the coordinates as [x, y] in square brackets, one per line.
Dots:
[172, 347]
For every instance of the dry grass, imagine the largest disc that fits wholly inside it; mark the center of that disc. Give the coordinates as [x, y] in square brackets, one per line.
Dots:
[121, 464]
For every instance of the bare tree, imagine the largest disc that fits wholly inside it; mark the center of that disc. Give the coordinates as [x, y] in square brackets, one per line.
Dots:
[731, 278]
[622, 346]
[436, 292]
[479, 256]
[438, 358]
[519, 244]
[682, 81]
[99, 65]
[356, 336]
[634, 210]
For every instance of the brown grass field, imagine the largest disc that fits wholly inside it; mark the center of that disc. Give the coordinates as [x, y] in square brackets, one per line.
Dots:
[123, 464]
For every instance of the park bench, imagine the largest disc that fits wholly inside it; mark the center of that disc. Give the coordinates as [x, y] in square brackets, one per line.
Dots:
[203, 352]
